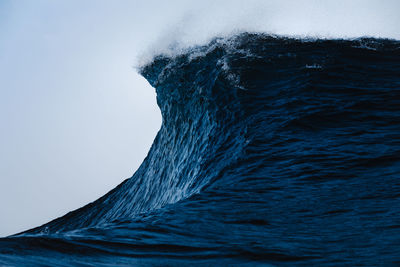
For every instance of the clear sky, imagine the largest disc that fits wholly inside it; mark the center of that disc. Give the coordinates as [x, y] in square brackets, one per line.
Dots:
[76, 119]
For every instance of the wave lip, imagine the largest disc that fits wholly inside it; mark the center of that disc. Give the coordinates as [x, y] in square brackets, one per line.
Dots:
[272, 150]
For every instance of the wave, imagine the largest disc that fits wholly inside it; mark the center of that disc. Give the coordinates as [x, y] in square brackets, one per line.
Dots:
[272, 150]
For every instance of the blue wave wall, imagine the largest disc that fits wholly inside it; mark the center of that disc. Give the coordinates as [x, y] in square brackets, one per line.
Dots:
[272, 150]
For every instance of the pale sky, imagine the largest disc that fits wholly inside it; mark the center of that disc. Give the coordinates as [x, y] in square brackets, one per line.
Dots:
[76, 119]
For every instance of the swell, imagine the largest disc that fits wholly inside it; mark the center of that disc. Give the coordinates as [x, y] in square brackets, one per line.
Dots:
[271, 150]
[211, 95]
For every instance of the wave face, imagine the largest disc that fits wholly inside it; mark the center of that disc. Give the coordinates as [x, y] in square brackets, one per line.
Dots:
[271, 151]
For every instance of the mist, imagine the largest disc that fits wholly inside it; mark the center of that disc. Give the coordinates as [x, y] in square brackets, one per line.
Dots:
[199, 23]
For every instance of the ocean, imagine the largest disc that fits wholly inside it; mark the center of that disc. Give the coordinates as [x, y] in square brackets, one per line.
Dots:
[273, 151]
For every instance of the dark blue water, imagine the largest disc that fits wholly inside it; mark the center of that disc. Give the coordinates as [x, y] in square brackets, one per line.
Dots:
[272, 151]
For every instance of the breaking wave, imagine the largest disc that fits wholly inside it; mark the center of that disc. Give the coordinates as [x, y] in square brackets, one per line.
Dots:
[272, 150]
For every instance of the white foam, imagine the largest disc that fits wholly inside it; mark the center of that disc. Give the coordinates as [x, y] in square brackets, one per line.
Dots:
[329, 19]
